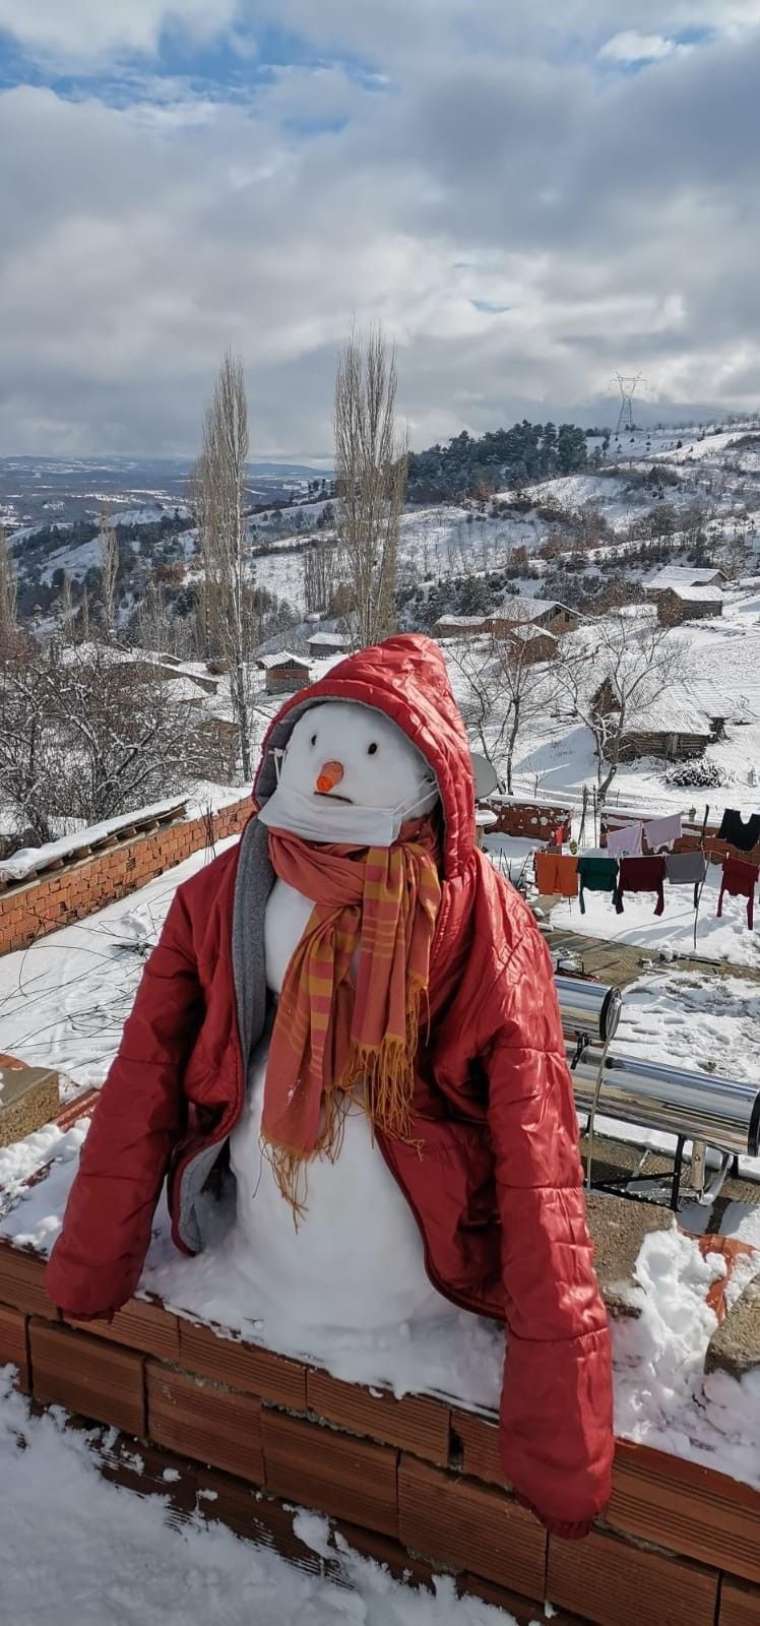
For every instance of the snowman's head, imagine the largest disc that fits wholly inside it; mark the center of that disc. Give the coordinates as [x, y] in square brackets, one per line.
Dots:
[347, 772]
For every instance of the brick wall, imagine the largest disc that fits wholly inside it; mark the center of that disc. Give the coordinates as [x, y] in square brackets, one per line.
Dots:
[413, 1482]
[531, 819]
[76, 890]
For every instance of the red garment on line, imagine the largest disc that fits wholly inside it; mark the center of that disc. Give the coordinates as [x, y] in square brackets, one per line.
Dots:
[739, 881]
[641, 875]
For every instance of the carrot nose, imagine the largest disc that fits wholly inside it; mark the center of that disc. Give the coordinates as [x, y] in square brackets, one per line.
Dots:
[330, 775]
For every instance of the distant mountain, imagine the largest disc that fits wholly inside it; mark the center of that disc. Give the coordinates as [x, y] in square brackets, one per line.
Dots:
[50, 490]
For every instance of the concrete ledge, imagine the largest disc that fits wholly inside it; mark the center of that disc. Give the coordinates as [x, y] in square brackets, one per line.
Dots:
[735, 1346]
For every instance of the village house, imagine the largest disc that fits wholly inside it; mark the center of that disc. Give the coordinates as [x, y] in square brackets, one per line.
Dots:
[683, 576]
[537, 643]
[284, 672]
[679, 722]
[677, 604]
[546, 613]
[328, 643]
[461, 626]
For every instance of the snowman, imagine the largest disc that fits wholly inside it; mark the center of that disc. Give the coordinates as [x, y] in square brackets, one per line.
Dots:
[349, 777]
[347, 1047]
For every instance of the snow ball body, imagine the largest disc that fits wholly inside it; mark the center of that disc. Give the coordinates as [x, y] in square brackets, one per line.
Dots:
[356, 1260]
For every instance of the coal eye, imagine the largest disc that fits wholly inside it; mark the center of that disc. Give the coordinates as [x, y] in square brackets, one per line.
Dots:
[371, 749]
[313, 739]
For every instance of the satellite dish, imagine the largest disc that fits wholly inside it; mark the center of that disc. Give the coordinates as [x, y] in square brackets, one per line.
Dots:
[485, 776]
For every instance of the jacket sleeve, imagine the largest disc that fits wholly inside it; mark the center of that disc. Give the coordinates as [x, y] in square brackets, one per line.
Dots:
[556, 1408]
[96, 1262]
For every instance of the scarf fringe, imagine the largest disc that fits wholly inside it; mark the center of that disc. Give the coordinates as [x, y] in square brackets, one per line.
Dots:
[379, 1079]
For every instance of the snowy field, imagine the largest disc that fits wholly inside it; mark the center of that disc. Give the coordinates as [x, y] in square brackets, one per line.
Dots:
[77, 1551]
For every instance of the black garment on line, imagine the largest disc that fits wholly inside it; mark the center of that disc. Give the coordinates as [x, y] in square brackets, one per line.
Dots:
[742, 834]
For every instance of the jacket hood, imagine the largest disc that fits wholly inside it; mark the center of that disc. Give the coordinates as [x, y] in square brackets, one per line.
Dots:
[406, 678]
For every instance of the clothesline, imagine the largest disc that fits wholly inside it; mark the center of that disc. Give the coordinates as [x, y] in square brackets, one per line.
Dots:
[626, 868]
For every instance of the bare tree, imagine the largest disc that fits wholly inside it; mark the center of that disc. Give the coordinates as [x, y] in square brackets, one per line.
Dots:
[109, 570]
[85, 735]
[83, 618]
[318, 577]
[370, 467]
[505, 689]
[64, 610]
[610, 673]
[230, 616]
[154, 622]
[8, 595]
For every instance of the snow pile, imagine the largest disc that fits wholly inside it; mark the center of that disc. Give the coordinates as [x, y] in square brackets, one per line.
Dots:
[661, 1395]
[101, 1554]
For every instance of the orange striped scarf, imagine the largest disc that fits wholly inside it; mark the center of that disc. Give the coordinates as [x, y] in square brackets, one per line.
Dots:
[330, 1036]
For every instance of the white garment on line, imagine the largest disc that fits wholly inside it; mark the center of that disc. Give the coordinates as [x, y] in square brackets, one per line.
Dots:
[625, 843]
[662, 832]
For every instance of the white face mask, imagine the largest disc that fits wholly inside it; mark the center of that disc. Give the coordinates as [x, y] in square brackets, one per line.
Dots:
[323, 818]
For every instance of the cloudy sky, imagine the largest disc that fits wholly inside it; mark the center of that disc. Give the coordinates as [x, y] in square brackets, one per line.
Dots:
[530, 197]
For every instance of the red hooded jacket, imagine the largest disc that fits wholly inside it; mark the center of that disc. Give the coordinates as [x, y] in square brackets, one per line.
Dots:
[497, 1192]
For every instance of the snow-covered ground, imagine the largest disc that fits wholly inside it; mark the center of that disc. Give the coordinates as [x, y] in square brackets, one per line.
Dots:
[64, 1000]
[555, 755]
[78, 1551]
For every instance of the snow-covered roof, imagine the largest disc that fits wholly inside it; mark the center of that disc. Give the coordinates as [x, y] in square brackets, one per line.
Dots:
[461, 620]
[529, 609]
[336, 640]
[696, 595]
[527, 632]
[682, 576]
[677, 709]
[282, 658]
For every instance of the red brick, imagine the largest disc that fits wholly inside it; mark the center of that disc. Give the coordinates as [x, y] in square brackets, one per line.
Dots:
[21, 1282]
[385, 1550]
[88, 1376]
[242, 1366]
[469, 1527]
[739, 1603]
[688, 1508]
[607, 1581]
[198, 1419]
[415, 1423]
[527, 1612]
[13, 1346]
[333, 1473]
[140, 1325]
[477, 1442]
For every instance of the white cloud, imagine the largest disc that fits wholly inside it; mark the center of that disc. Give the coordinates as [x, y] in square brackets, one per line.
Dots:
[599, 221]
[92, 29]
[633, 47]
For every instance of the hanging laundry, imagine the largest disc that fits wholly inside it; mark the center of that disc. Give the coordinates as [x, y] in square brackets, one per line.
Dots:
[744, 834]
[560, 834]
[739, 881]
[662, 832]
[641, 875]
[625, 843]
[597, 875]
[556, 874]
[686, 869]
